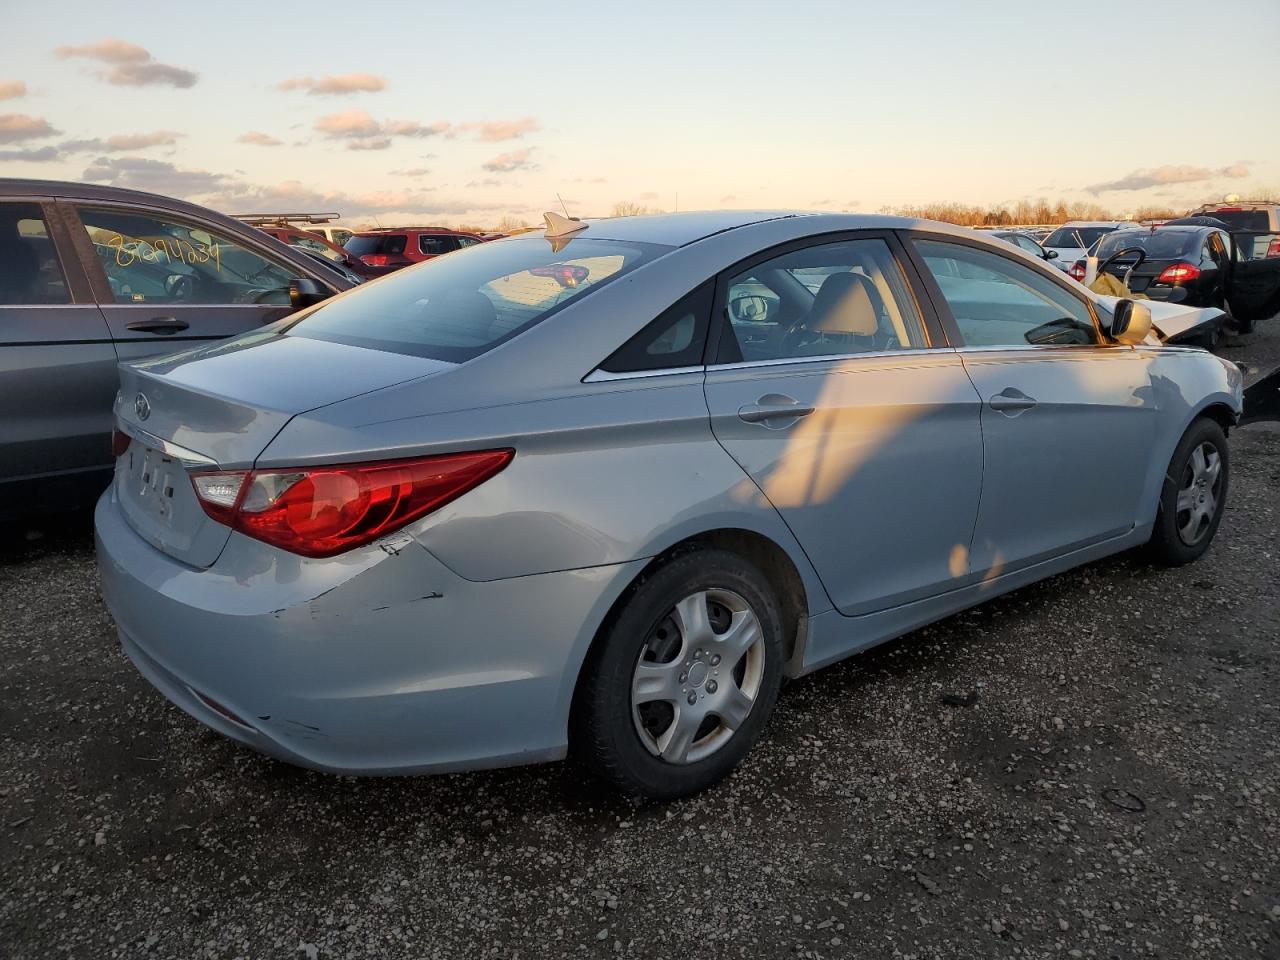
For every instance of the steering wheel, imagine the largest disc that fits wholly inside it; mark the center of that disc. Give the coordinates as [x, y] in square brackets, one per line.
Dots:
[1142, 255]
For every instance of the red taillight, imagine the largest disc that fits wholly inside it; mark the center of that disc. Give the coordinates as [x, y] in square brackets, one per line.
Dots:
[565, 274]
[1178, 273]
[1273, 248]
[1077, 271]
[322, 511]
[119, 442]
[376, 259]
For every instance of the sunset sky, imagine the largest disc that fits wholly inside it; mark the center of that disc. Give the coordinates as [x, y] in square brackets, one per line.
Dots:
[474, 111]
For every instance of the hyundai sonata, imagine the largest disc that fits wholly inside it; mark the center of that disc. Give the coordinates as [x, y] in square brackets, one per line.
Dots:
[601, 489]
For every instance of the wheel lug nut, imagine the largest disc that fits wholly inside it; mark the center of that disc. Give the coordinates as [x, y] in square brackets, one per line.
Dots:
[684, 677]
[715, 660]
[711, 686]
[693, 698]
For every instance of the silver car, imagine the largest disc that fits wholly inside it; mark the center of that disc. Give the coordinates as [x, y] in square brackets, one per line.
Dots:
[600, 490]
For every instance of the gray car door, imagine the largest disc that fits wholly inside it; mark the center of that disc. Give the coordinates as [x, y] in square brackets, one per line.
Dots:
[854, 422]
[57, 362]
[167, 281]
[1068, 420]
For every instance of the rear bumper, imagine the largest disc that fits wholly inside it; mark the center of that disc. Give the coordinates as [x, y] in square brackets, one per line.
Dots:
[373, 662]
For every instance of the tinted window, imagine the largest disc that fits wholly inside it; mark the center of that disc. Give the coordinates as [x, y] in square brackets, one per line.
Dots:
[997, 302]
[1076, 236]
[1029, 245]
[29, 269]
[456, 308]
[674, 339]
[378, 243]
[433, 246]
[1158, 244]
[1242, 219]
[825, 300]
[150, 260]
[314, 244]
[466, 241]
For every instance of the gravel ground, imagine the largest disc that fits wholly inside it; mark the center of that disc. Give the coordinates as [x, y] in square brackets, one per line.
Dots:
[1084, 768]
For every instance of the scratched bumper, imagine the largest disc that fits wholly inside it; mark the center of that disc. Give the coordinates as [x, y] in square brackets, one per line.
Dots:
[373, 662]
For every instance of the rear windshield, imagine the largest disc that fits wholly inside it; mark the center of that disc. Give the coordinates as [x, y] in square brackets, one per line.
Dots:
[383, 243]
[1242, 219]
[1158, 245]
[457, 307]
[1073, 236]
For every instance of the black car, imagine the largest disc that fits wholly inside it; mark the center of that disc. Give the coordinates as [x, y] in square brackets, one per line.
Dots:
[93, 275]
[1197, 265]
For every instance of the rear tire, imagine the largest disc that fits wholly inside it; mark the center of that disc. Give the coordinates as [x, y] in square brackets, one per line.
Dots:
[1193, 496]
[680, 686]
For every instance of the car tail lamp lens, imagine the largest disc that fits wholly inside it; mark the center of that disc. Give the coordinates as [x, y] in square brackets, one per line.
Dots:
[1077, 271]
[376, 259]
[566, 274]
[323, 511]
[1178, 273]
[119, 442]
[1273, 248]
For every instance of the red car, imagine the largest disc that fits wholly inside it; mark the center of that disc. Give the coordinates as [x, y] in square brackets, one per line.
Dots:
[314, 243]
[385, 251]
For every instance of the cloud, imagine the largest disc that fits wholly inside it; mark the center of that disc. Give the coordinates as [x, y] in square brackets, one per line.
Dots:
[259, 139]
[1169, 174]
[728, 198]
[333, 85]
[486, 182]
[122, 142]
[32, 154]
[492, 131]
[370, 143]
[131, 65]
[649, 195]
[12, 89]
[16, 127]
[412, 172]
[294, 194]
[366, 133]
[158, 176]
[508, 162]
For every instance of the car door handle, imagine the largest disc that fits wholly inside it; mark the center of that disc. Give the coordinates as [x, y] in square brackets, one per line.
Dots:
[1011, 401]
[773, 406]
[164, 325]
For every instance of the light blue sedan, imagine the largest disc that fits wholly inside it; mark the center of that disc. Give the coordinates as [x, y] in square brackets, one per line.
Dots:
[599, 490]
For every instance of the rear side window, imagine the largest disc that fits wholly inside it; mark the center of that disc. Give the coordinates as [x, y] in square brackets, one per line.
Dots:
[30, 272]
[675, 339]
[381, 243]
[433, 246]
[456, 308]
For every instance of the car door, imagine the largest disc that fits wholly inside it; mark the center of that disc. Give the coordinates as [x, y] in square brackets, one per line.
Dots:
[57, 362]
[166, 282]
[1068, 420]
[860, 427]
[1253, 281]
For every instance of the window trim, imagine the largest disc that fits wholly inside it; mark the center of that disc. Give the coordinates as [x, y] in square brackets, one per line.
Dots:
[954, 336]
[934, 332]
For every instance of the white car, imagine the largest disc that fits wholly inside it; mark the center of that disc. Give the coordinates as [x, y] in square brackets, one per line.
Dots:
[1072, 240]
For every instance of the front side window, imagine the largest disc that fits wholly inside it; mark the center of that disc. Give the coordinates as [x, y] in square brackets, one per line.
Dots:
[999, 303]
[456, 308]
[148, 259]
[30, 272]
[825, 300]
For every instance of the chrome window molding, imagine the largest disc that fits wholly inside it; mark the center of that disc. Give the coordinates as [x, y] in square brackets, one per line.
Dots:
[604, 376]
[923, 353]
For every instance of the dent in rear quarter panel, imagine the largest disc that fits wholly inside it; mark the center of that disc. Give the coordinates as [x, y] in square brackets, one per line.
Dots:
[1186, 382]
[618, 471]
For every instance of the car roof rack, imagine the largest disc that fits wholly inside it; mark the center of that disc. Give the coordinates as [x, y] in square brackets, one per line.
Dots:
[284, 219]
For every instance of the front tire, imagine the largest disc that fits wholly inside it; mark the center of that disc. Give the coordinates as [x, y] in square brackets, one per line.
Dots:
[682, 682]
[1193, 496]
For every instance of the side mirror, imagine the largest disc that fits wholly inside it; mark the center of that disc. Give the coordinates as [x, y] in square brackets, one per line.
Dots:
[749, 309]
[1051, 254]
[1131, 323]
[305, 292]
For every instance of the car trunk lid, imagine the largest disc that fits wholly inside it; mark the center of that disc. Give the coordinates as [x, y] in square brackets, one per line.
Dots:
[216, 409]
